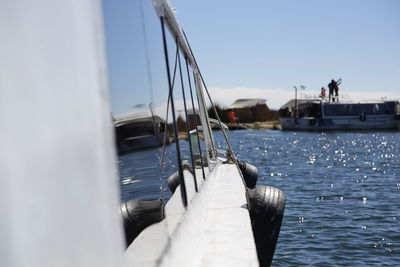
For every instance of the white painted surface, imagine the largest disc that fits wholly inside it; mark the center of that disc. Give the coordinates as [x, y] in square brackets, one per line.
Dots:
[215, 230]
[150, 246]
[227, 238]
[59, 190]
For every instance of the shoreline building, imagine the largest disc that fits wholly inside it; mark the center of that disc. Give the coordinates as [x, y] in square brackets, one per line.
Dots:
[250, 110]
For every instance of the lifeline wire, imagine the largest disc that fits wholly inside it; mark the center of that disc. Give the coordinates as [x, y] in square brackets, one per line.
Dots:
[166, 119]
[195, 119]
[212, 104]
[230, 150]
[178, 152]
[163, 185]
[187, 125]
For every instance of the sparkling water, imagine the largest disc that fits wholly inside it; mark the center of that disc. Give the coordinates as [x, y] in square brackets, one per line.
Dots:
[342, 191]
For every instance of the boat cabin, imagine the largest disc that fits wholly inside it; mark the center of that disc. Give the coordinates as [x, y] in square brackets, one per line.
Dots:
[318, 109]
[304, 107]
[357, 109]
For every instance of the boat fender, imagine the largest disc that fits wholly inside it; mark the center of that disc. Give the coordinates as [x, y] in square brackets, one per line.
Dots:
[173, 179]
[397, 116]
[138, 214]
[362, 117]
[312, 122]
[266, 206]
[249, 172]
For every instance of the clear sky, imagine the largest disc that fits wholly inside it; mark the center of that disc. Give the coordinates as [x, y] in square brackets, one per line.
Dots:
[263, 48]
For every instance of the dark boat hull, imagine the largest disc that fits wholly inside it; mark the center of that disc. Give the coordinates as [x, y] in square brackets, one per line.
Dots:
[371, 122]
[139, 143]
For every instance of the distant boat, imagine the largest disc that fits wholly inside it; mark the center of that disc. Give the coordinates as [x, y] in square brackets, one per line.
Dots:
[138, 130]
[314, 114]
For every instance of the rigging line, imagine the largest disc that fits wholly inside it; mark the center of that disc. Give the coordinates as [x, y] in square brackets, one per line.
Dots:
[146, 50]
[187, 125]
[166, 119]
[214, 148]
[231, 155]
[230, 150]
[207, 122]
[150, 82]
[155, 128]
[163, 185]
[195, 119]
[178, 152]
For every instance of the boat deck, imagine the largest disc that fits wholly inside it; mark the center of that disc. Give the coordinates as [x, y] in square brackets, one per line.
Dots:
[215, 230]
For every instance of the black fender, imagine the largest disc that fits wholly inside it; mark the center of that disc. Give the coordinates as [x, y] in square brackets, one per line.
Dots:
[266, 206]
[249, 172]
[173, 179]
[138, 214]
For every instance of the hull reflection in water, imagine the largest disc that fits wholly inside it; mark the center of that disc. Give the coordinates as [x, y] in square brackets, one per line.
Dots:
[138, 130]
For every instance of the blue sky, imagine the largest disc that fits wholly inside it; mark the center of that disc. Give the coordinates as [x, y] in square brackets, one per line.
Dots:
[263, 48]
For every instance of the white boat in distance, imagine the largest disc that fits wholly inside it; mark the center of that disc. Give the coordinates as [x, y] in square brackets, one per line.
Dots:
[138, 130]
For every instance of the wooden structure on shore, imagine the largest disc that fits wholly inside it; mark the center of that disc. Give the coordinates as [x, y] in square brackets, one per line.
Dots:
[250, 110]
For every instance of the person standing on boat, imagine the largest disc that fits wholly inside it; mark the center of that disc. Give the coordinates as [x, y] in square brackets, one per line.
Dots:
[334, 86]
[323, 92]
[330, 86]
[336, 89]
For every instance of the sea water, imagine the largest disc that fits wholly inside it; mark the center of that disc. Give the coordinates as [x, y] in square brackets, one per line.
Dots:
[342, 191]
